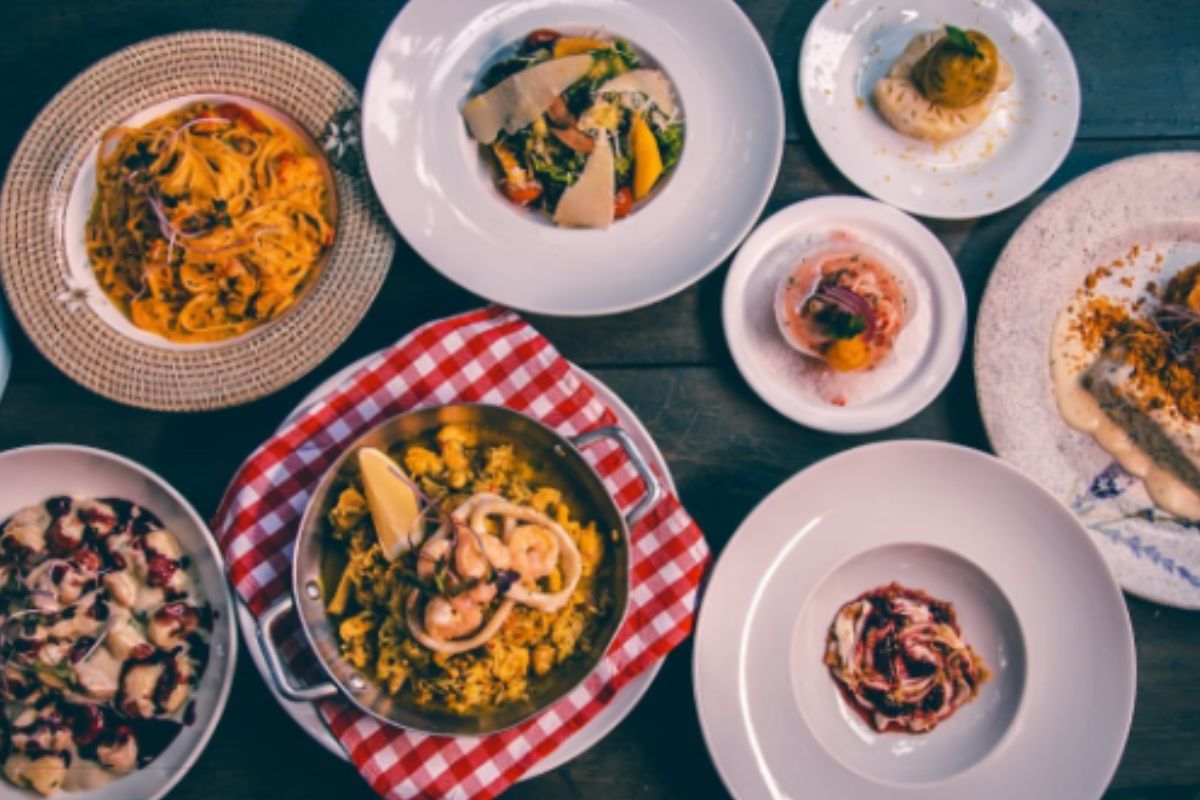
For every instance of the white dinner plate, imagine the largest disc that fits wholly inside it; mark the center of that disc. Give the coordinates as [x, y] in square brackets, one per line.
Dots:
[306, 715]
[1151, 202]
[439, 195]
[33, 474]
[851, 44]
[1032, 594]
[926, 351]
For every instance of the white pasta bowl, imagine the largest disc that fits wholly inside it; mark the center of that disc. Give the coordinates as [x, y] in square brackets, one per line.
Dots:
[1030, 590]
[32, 474]
[433, 185]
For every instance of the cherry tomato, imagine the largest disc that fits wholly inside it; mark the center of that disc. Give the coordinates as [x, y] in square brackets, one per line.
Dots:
[523, 193]
[622, 202]
[541, 37]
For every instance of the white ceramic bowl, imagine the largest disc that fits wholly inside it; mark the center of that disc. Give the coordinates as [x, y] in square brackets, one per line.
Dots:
[851, 44]
[29, 475]
[926, 351]
[440, 196]
[1032, 594]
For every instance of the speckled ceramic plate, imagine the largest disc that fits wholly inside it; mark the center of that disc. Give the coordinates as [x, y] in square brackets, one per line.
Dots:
[967, 528]
[51, 182]
[851, 44]
[309, 719]
[1150, 201]
[442, 199]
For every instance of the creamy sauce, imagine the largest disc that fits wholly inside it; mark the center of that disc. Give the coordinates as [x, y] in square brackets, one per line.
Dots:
[102, 635]
[1083, 412]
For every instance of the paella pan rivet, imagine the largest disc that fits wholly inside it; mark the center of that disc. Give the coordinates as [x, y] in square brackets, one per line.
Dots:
[312, 590]
[357, 684]
[559, 451]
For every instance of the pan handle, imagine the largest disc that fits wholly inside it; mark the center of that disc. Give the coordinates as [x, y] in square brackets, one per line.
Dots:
[654, 490]
[266, 640]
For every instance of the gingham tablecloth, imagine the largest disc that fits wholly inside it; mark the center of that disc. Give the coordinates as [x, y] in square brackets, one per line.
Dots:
[487, 356]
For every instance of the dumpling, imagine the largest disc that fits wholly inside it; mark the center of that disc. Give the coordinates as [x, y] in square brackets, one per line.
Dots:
[901, 103]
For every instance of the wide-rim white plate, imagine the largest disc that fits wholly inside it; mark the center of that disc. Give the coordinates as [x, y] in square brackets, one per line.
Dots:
[305, 714]
[850, 44]
[928, 348]
[36, 472]
[1152, 201]
[430, 179]
[1032, 593]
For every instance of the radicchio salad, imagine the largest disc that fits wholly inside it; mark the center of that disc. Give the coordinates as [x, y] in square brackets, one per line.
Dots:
[103, 638]
[899, 658]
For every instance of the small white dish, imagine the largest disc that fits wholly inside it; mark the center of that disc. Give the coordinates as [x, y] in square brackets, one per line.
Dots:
[927, 349]
[309, 719]
[851, 44]
[32, 474]
[1032, 594]
[439, 195]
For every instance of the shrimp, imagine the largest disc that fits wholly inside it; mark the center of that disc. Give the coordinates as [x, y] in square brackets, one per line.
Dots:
[534, 551]
[470, 561]
[433, 552]
[453, 617]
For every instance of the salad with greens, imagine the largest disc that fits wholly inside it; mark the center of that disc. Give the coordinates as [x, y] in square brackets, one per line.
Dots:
[577, 127]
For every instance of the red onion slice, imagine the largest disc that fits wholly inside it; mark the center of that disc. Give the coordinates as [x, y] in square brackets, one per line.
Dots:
[851, 302]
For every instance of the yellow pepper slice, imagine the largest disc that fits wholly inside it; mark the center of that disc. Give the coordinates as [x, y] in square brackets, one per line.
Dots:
[647, 160]
[577, 45]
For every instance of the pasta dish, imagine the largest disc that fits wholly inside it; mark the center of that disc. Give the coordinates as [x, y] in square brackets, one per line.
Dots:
[207, 221]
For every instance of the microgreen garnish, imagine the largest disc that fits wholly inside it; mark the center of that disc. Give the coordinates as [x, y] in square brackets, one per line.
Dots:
[959, 39]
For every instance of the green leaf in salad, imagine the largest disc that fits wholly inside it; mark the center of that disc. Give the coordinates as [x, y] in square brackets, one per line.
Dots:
[670, 144]
[562, 168]
[625, 52]
[623, 167]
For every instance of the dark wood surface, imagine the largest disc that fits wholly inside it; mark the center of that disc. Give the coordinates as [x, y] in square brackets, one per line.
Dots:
[1141, 92]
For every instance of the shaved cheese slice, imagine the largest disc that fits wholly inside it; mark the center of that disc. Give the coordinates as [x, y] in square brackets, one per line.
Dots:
[588, 203]
[520, 99]
[649, 82]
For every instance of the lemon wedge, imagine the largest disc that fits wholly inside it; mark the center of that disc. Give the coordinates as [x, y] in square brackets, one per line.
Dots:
[391, 499]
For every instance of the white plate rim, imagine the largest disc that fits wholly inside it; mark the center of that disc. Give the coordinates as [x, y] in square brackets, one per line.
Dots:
[309, 720]
[970, 210]
[778, 140]
[942, 275]
[226, 598]
[1103, 574]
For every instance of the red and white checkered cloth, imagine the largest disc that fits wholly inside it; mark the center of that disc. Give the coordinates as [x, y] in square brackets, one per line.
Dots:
[487, 356]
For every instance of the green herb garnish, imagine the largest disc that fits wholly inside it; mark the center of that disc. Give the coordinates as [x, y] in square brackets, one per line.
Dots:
[958, 39]
[845, 326]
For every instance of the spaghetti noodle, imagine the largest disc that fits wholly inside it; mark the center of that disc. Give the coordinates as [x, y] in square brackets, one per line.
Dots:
[207, 221]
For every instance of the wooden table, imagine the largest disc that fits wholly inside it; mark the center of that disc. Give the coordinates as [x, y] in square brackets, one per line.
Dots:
[1141, 92]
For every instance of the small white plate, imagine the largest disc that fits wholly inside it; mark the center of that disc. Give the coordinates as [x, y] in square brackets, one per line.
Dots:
[1033, 597]
[1150, 201]
[925, 354]
[431, 181]
[851, 44]
[309, 719]
[32, 474]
